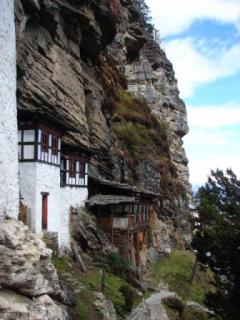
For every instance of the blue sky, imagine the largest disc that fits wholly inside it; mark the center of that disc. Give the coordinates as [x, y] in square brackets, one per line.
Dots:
[202, 40]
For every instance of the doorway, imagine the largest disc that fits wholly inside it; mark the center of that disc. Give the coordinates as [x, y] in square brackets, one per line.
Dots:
[45, 210]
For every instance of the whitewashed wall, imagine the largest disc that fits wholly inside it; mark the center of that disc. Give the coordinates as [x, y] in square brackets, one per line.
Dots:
[35, 178]
[27, 177]
[38, 177]
[70, 197]
[9, 191]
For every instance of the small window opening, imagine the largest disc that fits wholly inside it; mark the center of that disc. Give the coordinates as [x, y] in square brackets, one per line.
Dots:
[54, 145]
[44, 141]
[72, 168]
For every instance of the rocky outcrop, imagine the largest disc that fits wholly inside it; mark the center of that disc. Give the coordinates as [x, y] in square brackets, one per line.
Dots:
[152, 77]
[105, 307]
[29, 285]
[88, 241]
[16, 306]
[26, 262]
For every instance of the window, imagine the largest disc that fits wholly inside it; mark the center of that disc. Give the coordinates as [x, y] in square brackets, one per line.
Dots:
[82, 168]
[119, 209]
[44, 141]
[72, 168]
[54, 145]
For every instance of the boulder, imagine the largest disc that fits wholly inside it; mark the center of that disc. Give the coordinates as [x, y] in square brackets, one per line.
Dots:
[16, 306]
[25, 262]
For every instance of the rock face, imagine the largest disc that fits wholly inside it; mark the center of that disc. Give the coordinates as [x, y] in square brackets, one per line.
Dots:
[73, 59]
[105, 307]
[28, 281]
[16, 306]
[26, 262]
[87, 240]
[152, 78]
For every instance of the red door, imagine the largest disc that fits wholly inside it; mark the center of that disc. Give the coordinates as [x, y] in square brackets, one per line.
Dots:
[44, 211]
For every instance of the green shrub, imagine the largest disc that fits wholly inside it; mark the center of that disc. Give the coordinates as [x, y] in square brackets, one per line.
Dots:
[175, 303]
[128, 295]
[117, 264]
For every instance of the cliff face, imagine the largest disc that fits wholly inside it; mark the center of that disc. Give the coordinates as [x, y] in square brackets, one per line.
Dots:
[76, 62]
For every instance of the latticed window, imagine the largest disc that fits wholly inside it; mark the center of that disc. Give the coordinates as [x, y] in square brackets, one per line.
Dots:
[45, 138]
[82, 168]
[54, 145]
[72, 168]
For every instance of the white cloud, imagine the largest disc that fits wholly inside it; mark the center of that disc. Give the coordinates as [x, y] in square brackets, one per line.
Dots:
[200, 168]
[210, 137]
[196, 64]
[174, 16]
[214, 116]
[213, 140]
[214, 130]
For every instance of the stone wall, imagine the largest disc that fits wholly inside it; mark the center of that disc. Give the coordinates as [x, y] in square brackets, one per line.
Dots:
[8, 119]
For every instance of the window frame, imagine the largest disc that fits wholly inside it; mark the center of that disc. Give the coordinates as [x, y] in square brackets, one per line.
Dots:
[73, 172]
[72, 168]
[54, 145]
[44, 141]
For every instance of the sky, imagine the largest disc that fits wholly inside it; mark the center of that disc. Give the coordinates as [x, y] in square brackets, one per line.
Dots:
[202, 40]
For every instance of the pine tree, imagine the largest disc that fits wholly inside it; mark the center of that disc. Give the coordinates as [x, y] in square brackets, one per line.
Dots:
[145, 14]
[217, 240]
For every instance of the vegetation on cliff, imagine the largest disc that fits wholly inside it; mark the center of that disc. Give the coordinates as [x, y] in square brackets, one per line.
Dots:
[143, 137]
[84, 286]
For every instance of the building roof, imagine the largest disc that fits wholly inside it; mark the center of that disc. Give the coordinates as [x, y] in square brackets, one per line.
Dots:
[103, 200]
[121, 186]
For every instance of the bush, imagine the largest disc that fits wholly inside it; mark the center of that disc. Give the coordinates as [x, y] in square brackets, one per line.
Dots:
[175, 303]
[117, 264]
[128, 295]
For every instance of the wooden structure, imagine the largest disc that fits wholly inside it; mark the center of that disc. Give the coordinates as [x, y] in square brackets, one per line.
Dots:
[123, 215]
[38, 142]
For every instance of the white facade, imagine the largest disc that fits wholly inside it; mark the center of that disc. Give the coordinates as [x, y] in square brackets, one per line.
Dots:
[37, 178]
[9, 190]
[70, 197]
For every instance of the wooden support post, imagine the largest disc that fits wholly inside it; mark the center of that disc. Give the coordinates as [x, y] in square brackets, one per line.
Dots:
[112, 223]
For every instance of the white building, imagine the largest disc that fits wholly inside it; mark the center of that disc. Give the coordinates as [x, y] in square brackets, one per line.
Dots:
[53, 178]
[9, 191]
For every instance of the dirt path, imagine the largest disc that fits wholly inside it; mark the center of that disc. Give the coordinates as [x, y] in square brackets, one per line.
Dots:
[152, 308]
